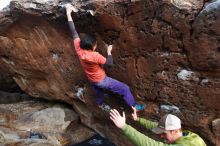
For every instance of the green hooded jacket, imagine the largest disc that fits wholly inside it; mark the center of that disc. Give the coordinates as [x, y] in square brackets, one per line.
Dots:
[139, 139]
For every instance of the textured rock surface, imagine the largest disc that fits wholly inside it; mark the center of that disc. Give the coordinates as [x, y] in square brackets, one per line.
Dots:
[40, 123]
[154, 42]
[13, 97]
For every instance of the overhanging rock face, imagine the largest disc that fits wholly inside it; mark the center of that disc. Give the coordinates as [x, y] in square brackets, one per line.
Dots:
[166, 51]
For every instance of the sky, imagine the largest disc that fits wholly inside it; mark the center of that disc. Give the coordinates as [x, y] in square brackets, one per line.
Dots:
[4, 3]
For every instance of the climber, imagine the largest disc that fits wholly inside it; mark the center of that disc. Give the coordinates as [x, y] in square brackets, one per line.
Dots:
[169, 128]
[91, 62]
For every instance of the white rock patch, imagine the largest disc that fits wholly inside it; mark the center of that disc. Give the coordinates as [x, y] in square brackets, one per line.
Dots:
[184, 75]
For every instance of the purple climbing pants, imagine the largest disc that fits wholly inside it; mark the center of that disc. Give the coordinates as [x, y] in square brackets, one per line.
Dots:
[114, 86]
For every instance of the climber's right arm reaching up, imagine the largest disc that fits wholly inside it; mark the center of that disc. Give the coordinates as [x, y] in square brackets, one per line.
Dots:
[76, 39]
[69, 10]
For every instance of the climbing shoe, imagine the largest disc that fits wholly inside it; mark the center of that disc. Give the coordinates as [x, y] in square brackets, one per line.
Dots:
[105, 107]
[139, 107]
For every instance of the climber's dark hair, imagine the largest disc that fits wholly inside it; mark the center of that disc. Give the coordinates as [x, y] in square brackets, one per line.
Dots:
[88, 41]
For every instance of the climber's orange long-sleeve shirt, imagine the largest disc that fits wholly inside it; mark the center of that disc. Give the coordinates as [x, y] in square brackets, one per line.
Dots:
[90, 61]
